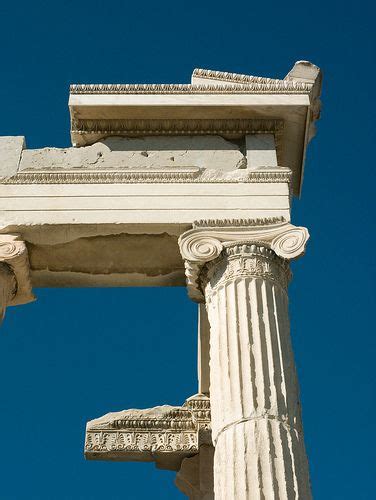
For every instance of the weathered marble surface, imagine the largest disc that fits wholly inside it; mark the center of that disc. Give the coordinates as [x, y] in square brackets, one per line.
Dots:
[209, 152]
[243, 275]
[10, 154]
[195, 477]
[110, 214]
[164, 434]
[224, 155]
[216, 103]
[14, 255]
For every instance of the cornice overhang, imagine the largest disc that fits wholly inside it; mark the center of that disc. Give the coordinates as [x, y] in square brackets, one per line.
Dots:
[204, 107]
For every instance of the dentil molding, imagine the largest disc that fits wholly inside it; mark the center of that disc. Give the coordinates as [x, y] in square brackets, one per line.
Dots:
[206, 241]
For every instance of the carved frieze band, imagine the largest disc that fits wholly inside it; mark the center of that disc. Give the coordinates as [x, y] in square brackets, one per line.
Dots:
[139, 441]
[233, 77]
[251, 87]
[244, 260]
[178, 430]
[260, 240]
[179, 175]
[225, 127]
[13, 252]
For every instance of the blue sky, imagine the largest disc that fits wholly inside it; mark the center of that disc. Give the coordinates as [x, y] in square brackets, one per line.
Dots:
[74, 355]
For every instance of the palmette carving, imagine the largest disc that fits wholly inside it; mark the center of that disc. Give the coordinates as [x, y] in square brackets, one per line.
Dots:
[245, 260]
[122, 441]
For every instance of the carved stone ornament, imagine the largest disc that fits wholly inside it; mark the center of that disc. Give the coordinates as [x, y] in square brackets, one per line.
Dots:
[13, 252]
[164, 434]
[206, 241]
[166, 175]
[250, 87]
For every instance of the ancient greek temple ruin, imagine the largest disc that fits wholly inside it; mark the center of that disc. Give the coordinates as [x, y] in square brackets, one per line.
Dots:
[182, 185]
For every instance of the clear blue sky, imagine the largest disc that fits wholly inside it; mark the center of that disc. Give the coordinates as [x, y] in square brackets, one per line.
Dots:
[74, 355]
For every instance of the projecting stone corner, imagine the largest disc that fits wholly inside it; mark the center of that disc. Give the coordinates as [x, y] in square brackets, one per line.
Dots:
[163, 434]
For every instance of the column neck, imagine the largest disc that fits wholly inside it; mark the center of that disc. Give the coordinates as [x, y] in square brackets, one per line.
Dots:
[239, 260]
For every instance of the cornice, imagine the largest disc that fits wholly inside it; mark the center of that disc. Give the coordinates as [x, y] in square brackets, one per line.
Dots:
[205, 243]
[13, 252]
[164, 433]
[148, 176]
[252, 87]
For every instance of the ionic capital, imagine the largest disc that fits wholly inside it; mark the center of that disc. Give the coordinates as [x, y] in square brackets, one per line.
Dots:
[206, 241]
[13, 253]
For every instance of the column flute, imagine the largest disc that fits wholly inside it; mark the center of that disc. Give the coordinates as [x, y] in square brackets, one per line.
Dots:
[241, 271]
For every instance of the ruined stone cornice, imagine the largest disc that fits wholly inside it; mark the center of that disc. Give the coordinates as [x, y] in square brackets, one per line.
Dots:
[164, 434]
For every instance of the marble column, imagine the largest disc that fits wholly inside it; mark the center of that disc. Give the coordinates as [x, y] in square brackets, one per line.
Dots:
[195, 477]
[8, 287]
[242, 273]
[15, 283]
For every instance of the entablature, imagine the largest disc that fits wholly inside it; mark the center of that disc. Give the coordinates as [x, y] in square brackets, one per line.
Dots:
[215, 102]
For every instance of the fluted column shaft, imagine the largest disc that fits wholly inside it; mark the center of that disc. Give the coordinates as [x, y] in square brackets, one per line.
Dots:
[7, 287]
[256, 421]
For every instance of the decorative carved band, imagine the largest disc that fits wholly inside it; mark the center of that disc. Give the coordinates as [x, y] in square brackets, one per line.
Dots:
[233, 77]
[133, 127]
[14, 253]
[242, 261]
[179, 175]
[205, 244]
[148, 434]
[115, 444]
[237, 222]
[252, 87]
